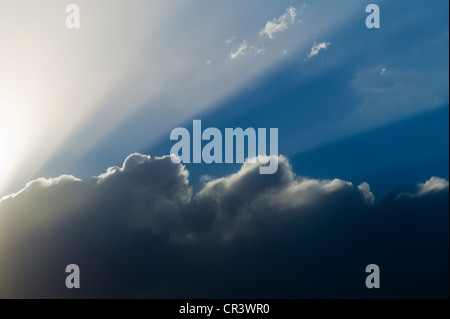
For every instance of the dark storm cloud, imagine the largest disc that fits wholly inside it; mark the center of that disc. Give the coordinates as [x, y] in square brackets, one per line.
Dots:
[138, 231]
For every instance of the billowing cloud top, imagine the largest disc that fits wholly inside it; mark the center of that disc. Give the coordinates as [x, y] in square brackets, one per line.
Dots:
[140, 231]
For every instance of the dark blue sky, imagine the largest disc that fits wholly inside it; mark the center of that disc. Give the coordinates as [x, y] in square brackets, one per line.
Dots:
[402, 138]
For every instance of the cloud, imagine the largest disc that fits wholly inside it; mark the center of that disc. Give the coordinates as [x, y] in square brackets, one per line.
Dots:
[431, 186]
[229, 40]
[245, 49]
[317, 47]
[364, 188]
[240, 51]
[139, 231]
[281, 24]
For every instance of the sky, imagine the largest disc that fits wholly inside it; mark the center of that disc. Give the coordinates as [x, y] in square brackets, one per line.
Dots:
[86, 175]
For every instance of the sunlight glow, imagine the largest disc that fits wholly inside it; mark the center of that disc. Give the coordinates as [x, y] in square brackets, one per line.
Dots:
[7, 141]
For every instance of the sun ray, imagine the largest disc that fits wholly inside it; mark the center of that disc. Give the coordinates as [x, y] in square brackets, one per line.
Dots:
[7, 141]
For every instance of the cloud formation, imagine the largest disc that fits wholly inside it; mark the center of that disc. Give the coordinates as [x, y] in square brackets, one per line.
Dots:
[431, 186]
[245, 49]
[281, 24]
[140, 231]
[317, 47]
[229, 40]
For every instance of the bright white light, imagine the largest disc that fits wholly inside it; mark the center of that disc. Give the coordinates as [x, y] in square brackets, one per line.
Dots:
[7, 141]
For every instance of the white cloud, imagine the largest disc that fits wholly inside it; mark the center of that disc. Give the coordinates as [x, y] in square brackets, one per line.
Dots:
[229, 40]
[433, 185]
[281, 24]
[240, 51]
[245, 49]
[206, 179]
[364, 188]
[259, 51]
[383, 70]
[317, 47]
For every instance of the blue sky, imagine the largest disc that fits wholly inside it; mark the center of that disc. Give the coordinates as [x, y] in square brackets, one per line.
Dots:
[387, 82]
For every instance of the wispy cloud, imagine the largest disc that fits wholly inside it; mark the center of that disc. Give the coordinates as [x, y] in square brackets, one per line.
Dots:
[281, 24]
[317, 47]
[432, 186]
[240, 51]
[229, 40]
[245, 49]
